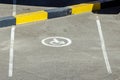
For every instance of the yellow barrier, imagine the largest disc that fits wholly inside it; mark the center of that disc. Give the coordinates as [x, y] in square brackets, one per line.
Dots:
[87, 7]
[31, 17]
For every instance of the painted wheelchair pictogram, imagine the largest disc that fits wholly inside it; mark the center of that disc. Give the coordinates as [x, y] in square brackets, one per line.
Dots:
[56, 41]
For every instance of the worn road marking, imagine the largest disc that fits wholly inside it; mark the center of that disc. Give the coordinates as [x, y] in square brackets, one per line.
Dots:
[11, 53]
[103, 46]
[14, 8]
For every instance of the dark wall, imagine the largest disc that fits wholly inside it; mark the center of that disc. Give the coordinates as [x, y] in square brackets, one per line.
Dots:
[50, 3]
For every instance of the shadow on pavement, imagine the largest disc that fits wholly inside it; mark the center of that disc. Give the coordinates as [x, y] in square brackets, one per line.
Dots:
[46, 3]
[111, 7]
[112, 10]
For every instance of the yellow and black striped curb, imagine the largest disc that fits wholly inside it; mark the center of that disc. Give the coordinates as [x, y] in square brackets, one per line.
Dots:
[54, 13]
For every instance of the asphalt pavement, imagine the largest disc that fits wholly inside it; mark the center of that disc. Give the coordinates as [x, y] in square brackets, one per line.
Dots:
[83, 59]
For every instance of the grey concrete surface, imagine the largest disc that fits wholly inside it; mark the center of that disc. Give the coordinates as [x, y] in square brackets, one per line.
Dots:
[27, 8]
[24, 6]
[5, 10]
[82, 60]
[4, 52]
[111, 31]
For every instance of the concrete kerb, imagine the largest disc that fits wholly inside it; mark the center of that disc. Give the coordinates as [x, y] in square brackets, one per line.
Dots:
[54, 13]
[7, 21]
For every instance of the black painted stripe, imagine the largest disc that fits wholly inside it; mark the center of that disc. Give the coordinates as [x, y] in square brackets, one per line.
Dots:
[7, 21]
[59, 12]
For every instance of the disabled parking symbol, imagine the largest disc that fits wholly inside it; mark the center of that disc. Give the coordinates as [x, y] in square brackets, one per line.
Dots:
[56, 41]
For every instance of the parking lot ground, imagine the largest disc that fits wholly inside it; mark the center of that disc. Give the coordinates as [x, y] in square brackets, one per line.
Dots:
[111, 31]
[4, 52]
[27, 8]
[5, 10]
[83, 59]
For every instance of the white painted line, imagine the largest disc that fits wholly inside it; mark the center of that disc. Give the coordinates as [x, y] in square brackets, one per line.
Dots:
[11, 53]
[103, 45]
[14, 8]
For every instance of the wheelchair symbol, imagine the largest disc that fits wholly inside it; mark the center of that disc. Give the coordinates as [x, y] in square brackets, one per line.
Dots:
[56, 41]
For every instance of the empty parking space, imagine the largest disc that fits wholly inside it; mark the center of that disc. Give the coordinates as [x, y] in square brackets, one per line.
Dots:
[83, 59]
[91, 53]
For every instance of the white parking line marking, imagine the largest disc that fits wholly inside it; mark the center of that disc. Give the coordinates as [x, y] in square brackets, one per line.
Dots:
[11, 53]
[103, 45]
[14, 7]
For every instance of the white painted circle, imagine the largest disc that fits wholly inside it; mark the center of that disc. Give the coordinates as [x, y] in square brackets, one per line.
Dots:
[56, 41]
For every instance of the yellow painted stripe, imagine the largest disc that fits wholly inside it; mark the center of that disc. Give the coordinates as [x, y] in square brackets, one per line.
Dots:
[31, 17]
[87, 7]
